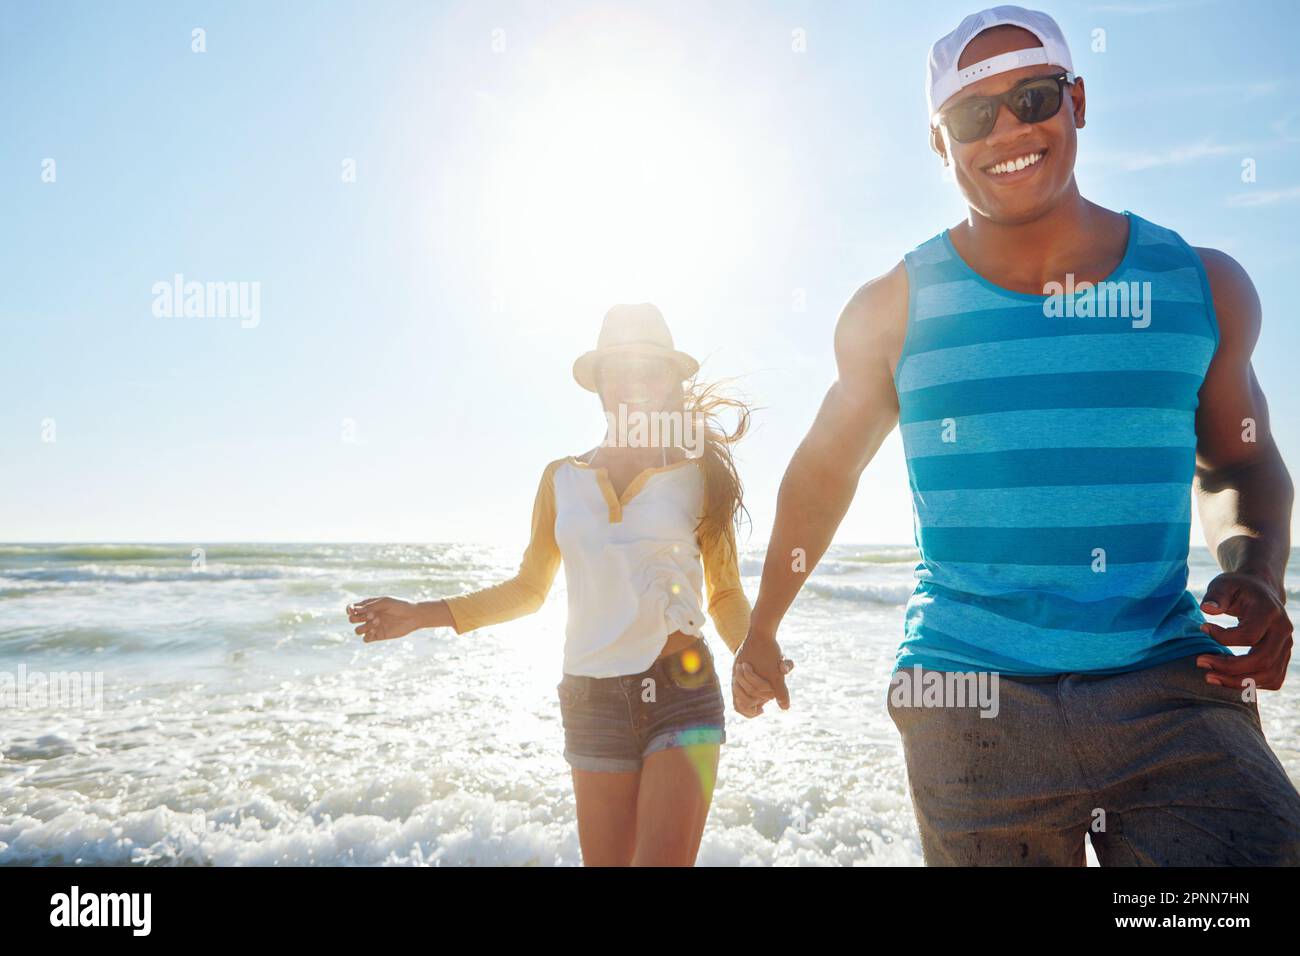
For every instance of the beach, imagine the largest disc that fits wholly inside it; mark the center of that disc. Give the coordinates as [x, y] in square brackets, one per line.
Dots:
[239, 720]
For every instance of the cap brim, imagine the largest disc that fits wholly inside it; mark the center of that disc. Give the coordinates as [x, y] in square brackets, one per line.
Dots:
[584, 367]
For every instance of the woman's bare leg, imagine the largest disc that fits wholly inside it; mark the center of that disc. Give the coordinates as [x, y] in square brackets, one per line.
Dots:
[607, 806]
[673, 803]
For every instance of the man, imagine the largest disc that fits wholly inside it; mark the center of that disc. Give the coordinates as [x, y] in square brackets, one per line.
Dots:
[1051, 446]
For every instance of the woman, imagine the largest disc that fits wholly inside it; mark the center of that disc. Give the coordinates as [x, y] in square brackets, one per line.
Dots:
[640, 525]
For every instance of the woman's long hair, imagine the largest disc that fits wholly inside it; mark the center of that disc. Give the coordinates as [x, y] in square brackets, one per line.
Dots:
[724, 493]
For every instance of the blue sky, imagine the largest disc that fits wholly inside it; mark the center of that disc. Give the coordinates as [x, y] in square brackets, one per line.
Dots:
[519, 168]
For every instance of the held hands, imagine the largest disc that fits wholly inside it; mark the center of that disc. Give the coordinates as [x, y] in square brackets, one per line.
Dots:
[384, 618]
[1262, 625]
[758, 675]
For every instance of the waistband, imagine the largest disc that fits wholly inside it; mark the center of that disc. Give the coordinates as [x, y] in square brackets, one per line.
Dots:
[662, 667]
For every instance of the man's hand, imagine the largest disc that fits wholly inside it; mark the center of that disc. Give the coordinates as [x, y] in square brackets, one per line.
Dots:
[749, 692]
[1243, 491]
[1262, 625]
[758, 675]
[860, 409]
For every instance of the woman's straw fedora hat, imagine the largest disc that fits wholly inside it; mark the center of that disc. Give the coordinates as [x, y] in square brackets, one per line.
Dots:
[632, 330]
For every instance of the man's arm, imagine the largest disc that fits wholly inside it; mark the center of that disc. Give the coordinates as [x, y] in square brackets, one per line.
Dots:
[1243, 491]
[859, 410]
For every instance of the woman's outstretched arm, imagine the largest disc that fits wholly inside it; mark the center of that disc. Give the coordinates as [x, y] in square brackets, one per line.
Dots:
[386, 618]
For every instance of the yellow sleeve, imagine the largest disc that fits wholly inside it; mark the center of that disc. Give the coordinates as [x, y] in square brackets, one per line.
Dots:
[525, 592]
[728, 605]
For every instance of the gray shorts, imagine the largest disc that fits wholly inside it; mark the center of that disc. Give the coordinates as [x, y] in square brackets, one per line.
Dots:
[1156, 765]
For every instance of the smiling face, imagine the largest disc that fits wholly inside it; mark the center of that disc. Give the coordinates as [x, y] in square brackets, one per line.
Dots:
[1019, 170]
[641, 383]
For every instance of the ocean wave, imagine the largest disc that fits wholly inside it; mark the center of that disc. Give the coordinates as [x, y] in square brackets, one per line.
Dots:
[876, 592]
[376, 557]
[76, 639]
[90, 552]
[298, 581]
[141, 575]
[902, 558]
[882, 555]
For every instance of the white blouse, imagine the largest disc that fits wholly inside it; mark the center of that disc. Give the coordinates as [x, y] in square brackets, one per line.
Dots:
[634, 567]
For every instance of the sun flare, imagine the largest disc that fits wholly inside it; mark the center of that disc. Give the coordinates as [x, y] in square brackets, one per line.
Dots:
[613, 188]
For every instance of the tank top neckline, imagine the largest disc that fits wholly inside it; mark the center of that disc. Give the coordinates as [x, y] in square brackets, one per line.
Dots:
[1124, 263]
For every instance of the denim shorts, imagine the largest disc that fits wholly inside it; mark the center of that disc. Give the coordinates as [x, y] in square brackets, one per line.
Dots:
[612, 723]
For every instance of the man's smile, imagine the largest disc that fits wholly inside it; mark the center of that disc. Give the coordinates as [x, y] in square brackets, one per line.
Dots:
[1016, 167]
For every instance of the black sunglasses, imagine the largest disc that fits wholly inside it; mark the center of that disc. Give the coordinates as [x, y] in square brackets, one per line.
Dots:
[1030, 101]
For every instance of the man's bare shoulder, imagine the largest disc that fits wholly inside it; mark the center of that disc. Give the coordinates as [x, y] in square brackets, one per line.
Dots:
[873, 323]
[1236, 303]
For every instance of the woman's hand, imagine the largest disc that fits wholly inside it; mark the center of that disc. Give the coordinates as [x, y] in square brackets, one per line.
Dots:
[384, 618]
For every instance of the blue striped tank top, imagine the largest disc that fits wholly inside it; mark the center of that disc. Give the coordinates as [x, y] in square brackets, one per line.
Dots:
[1050, 449]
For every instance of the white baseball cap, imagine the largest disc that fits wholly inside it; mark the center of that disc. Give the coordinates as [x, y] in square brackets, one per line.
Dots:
[943, 79]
